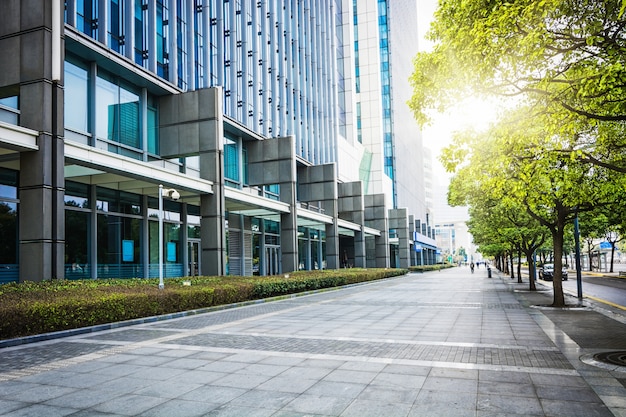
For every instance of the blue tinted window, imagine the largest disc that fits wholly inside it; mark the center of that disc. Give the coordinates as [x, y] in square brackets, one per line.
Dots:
[76, 97]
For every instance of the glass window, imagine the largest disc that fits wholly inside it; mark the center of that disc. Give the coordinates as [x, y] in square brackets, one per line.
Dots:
[140, 28]
[272, 227]
[9, 110]
[76, 97]
[161, 29]
[153, 131]
[117, 109]
[172, 266]
[118, 201]
[8, 233]
[8, 183]
[107, 99]
[119, 247]
[231, 160]
[76, 195]
[128, 118]
[115, 25]
[77, 262]
[86, 19]
[10, 102]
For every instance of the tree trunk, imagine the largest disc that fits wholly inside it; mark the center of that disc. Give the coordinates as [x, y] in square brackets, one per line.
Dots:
[511, 262]
[519, 265]
[531, 270]
[589, 258]
[612, 254]
[557, 283]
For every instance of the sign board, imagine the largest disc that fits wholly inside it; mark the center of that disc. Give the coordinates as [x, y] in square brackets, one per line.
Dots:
[128, 250]
[171, 252]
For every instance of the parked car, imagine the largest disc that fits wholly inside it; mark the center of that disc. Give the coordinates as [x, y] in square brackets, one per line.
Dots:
[546, 272]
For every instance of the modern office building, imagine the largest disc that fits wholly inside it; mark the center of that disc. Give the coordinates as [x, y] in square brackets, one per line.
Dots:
[248, 112]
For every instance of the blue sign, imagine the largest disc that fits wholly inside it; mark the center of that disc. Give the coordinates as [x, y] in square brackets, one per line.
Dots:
[171, 252]
[417, 247]
[605, 245]
[128, 251]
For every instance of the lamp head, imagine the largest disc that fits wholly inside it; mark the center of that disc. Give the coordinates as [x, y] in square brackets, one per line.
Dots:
[170, 193]
[174, 195]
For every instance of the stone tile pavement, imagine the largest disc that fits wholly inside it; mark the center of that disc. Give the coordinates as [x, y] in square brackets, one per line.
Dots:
[445, 343]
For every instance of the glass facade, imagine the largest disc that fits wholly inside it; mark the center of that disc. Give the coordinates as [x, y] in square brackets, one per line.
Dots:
[277, 63]
[118, 107]
[385, 79]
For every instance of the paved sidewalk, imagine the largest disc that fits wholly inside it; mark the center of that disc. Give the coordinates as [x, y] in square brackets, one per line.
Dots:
[445, 343]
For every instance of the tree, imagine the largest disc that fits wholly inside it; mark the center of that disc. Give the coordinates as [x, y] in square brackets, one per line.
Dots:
[518, 162]
[568, 53]
[565, 57]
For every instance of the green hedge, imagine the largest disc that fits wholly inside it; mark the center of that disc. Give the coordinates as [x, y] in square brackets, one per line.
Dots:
[32, 308]
[426, 268]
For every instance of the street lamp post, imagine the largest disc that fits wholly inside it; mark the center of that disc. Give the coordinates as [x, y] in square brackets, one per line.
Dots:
[174, 195]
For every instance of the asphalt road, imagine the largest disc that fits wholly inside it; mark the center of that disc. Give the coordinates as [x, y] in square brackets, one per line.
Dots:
[612, 290]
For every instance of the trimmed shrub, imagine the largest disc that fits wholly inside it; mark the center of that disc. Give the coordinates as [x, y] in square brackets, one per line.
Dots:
[426, 268]
[31, 308]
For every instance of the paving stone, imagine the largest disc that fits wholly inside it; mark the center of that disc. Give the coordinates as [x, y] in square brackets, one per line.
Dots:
[433, 344]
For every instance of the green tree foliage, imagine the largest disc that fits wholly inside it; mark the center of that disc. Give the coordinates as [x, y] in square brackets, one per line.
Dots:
[564, 61]
[564, 53]
[516, 167]
[565, 57]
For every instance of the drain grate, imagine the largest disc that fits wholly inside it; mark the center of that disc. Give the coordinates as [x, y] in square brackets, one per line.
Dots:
[614, 358]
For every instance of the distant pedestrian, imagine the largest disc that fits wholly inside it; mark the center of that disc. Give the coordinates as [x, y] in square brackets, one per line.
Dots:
[472, 267]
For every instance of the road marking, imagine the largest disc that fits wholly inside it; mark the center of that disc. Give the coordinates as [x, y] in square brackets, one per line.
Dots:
[600, 300]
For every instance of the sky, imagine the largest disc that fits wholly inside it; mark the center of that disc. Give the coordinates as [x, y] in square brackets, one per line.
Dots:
[438, 135]
[471, 113]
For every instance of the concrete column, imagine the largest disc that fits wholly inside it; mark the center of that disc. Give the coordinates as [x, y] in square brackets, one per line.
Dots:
[288, 221]
[398, 220]
[332, 238]
[376, 218]
[29, 39]
[412, 253]
[213, 207]
[351, 208]
[273, 161]
[319, 184]
[192, 124]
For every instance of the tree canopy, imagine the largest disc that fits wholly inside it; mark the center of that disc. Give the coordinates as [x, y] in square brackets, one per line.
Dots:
[569, 54]
[517, 183]
[562, 150]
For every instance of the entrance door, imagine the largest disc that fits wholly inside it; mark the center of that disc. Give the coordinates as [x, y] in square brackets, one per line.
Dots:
[272, 259]
[193, 254]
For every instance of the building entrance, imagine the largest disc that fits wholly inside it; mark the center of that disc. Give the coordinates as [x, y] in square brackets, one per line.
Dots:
[272, 260]
[193, 255]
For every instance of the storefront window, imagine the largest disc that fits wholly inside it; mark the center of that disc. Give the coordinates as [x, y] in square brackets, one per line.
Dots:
[77, 260]
[119, 247]
[172, 238]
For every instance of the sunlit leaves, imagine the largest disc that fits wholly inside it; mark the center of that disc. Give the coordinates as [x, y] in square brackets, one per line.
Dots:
[568, 54]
